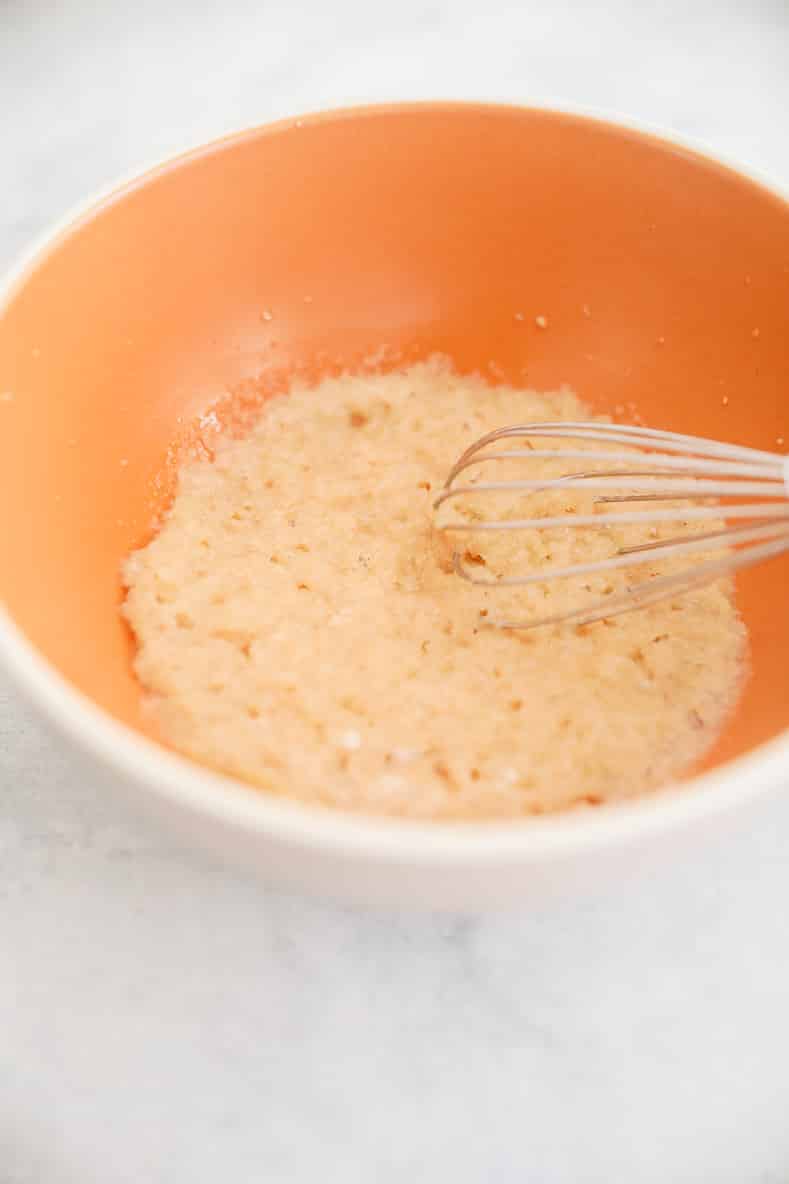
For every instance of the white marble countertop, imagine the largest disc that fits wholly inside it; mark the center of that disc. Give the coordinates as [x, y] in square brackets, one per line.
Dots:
[168, 1021]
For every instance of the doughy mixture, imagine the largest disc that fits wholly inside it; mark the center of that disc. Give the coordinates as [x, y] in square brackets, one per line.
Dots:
[299, 625]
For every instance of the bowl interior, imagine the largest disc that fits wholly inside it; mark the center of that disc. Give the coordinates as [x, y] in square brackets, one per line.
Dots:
[308, 247]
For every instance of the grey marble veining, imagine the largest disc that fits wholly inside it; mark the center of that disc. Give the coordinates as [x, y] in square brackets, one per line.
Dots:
[165, 1019]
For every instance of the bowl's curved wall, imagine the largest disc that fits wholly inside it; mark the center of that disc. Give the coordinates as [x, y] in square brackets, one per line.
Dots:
[664, 279]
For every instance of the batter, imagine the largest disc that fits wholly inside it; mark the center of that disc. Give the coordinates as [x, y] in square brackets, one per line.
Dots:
[299, 626]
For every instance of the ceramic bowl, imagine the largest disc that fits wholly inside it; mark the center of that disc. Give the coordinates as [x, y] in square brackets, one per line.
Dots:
[308, 246]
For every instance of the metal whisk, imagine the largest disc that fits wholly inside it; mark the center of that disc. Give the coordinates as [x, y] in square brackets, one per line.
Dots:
[743, 493]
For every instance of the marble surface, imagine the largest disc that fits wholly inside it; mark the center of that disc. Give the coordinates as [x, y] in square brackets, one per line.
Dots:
[168, 1020]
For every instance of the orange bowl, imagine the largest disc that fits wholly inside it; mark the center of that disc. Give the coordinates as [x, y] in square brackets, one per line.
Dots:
[308, 246]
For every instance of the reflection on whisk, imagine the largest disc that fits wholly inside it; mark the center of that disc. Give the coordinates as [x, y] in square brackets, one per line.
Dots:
[741, 493]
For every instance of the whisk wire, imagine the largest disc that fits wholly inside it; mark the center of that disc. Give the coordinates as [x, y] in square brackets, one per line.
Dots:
[743, 486]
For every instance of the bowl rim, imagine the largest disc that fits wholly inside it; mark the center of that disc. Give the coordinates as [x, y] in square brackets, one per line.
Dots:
[229, 802]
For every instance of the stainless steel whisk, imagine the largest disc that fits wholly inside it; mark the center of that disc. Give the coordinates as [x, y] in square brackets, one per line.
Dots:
[746, 489]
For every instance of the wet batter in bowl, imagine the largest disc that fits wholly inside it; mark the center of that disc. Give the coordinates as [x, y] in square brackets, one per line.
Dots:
[299, 626]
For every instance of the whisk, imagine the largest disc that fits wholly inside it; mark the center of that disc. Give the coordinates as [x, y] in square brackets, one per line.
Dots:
[744, 489]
